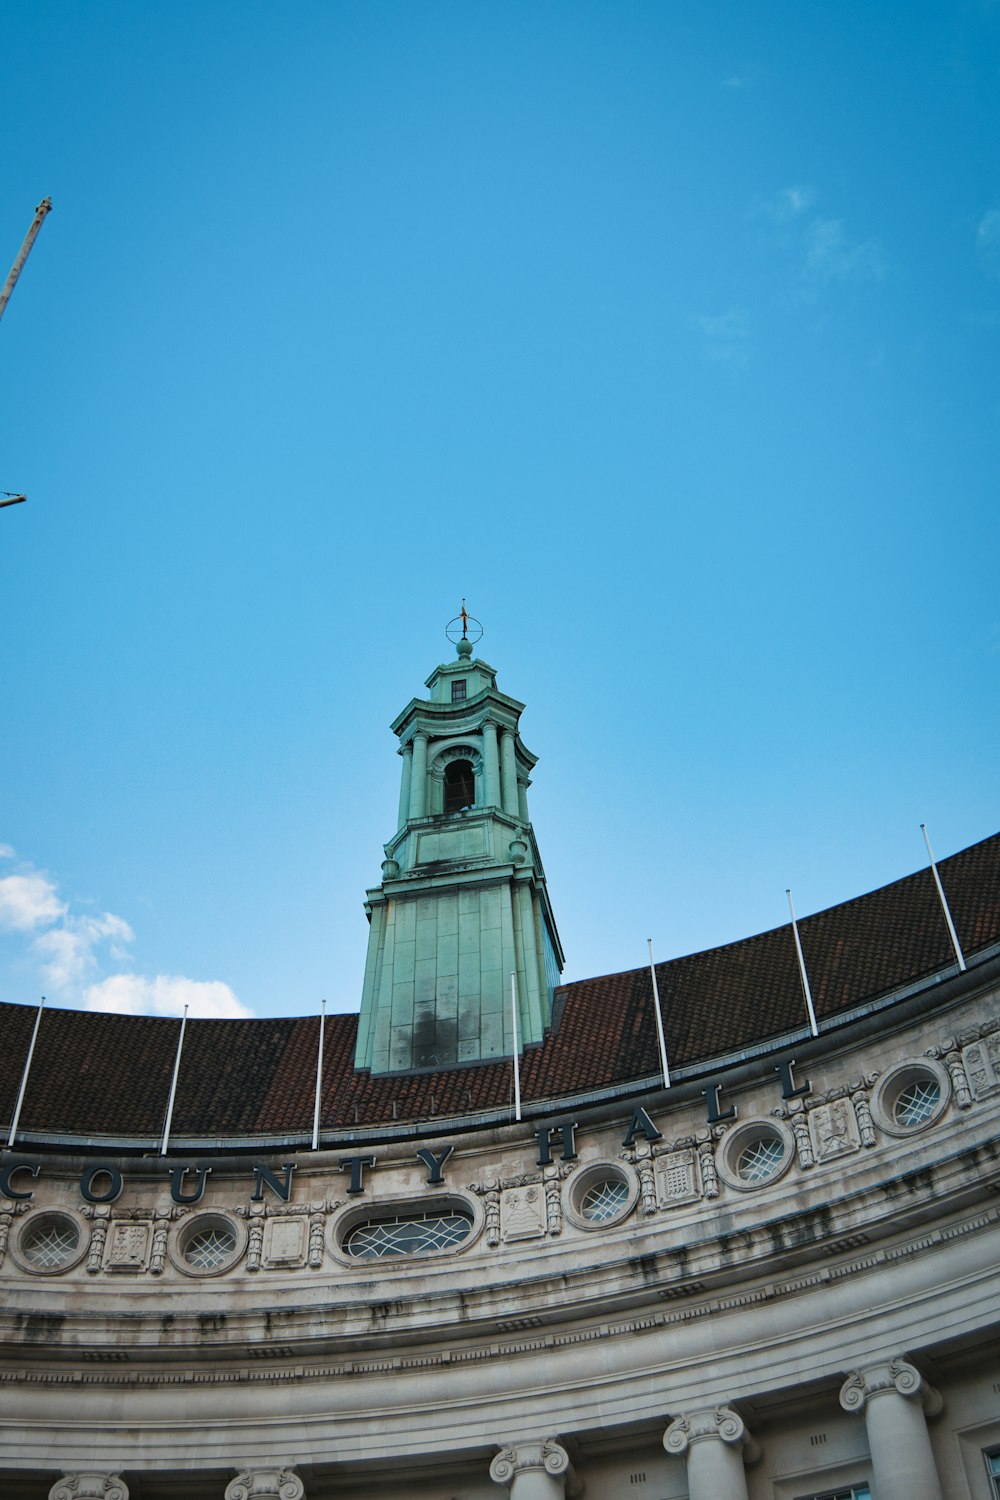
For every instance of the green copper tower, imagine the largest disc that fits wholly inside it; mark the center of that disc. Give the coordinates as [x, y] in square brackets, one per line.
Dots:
[463, 903]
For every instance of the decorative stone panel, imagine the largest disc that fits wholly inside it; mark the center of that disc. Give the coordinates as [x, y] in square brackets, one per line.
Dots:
[833, 1125]
[286, 1242]
[129, 1245]
[522, 1213]
[982, 1065]
[677, 1179]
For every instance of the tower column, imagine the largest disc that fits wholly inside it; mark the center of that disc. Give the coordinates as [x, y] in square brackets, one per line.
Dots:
[712, 1443]
[418, 775]
[508, 774]
[894, 1399]
[404, 785]
[492, 763]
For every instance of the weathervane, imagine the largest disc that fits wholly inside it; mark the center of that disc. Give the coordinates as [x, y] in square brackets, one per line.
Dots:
[464, 620]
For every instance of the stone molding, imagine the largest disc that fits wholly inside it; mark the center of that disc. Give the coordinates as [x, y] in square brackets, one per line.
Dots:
[512, 1458]
[88, 1485]
[899, 1377]
[720, 1423]
[255, 1484]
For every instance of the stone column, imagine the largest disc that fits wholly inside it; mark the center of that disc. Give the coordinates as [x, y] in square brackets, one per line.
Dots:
[404, 785]
[508, 774]
[534, 1471]
[88, 1485]
[418, 776]
[713, 1443]
[894, 1399]
[491, 764]
[258, 1484]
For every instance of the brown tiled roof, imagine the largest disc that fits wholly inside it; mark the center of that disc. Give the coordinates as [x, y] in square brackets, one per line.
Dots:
[109, 1076]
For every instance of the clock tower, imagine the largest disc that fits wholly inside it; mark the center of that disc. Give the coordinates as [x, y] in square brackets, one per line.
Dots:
[463, 903]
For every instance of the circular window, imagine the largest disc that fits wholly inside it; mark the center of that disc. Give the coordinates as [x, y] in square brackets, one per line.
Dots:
[604, 1200]
[50, 1243]
[601, 1195]
[761, 1159]
[911, 1097]
[208, 1244]
[410, 1234]
[754, 1154]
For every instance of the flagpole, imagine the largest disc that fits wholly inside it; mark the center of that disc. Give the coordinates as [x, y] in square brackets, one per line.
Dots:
[24, 1075]
[319, 1074]
[944, 900]
[517, 1060]
[173, 1087]
[807, 992]
[659, 1019]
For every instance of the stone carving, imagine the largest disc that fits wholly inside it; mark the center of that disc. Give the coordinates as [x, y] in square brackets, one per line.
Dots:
[165, 1212]
[949, 1054]
[490, 1194]
[677, 1177]
[897, 1375]
[129, 1245]
[721, 1423]
[861, 1100]
[8, 1208]
[706, 1163]
[834, 1126]
[252, 1484]
[317, 1224]
[101, 1217]
[522, 1212]
[286, 1240]
[512, 1458]
[795, 1114]
[641, 1158]
[89, 1486]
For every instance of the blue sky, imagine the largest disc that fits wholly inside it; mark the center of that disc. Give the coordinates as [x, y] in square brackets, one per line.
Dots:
[668, 334]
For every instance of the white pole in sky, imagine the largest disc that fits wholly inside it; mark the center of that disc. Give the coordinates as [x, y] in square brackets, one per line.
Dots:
[517, 1060]
[173, 1087]
[944, 900]
[807, 992]
[659, 1019]
[24, 1075]
[319, 1074]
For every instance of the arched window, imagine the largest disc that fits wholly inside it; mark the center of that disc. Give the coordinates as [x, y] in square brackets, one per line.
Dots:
[459, 786]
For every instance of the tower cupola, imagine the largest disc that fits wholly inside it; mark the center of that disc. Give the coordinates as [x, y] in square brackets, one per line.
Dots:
[463, 903]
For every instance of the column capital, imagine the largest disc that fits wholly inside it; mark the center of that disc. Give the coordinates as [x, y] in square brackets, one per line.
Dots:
[257, 1484]
[88, 1485]
[718, 1422]
[512, 1458]
[897, 1376]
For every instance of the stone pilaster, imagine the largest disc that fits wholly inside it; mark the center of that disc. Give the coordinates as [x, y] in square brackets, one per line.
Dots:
[534, 1471]
[89, 1485]
[265, 1484]
[896, 1402]
[714, 1445]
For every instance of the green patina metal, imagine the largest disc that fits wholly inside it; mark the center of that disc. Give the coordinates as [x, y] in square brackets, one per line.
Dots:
[463, 902]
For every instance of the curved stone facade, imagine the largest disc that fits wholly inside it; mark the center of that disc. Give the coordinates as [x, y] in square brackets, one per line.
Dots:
[628, 1297]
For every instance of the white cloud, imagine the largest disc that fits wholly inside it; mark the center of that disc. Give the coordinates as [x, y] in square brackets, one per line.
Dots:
[830, 256]
[166, 995]
[27, 902]
[73, 952]
[988, 242]
[68, 951]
